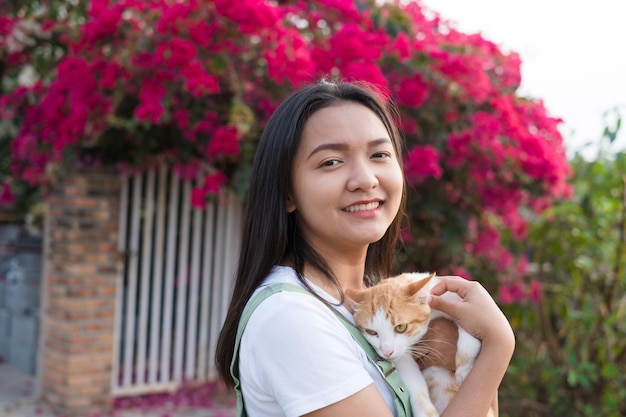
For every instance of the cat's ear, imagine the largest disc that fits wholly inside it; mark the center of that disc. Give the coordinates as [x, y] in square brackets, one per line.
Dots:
[415, 286]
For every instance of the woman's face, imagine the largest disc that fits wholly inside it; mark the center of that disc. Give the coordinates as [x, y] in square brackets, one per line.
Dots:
[347, 182]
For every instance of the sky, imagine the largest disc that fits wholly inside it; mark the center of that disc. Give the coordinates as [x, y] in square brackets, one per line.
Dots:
[573, 56]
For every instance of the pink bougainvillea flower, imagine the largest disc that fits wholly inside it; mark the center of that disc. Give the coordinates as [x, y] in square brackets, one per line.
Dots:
[486, 240]
[181, 118]
[290, 61]
[367, 71]
[462, 272]
[353, 43]
[210, 396]
[402, 46]
[506, 295]
[422, 162]
[412, 92]
[188, 170]
[149, 111]
[513, 293]
[409, 126]
[213, 183]
[202, 34]
[150, 95]
[34, 175]
[225, 142]
[177, 53]
[252, 16]
[198, 197]
[6, 194]
[210, 187]
[518, 292]
[6, 27]
[534, 293]
[347, 8]
[406, 236]
[104, 21]
[198, 82]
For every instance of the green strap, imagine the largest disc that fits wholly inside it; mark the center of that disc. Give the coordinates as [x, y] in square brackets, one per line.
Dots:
[386, 368]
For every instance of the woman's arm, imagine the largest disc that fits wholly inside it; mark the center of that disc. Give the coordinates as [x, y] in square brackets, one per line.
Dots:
[478, 314]
[366, 403]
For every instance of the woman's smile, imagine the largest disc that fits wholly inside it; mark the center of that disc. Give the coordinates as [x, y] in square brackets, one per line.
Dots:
[363, 207]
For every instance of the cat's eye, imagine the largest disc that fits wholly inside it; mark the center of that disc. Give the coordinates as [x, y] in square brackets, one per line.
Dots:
[401, 328]
[371, 332]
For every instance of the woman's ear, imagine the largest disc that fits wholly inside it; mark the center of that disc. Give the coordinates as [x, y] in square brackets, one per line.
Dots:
[291, 205]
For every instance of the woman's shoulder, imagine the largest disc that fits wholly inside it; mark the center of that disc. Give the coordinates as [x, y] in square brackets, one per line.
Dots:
[287, 320]
[305, 300]
[298, 305]
[296, 324]
[281, 274]
[291, 309]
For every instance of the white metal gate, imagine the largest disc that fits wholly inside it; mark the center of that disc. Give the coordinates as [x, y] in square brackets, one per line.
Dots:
[178, 274]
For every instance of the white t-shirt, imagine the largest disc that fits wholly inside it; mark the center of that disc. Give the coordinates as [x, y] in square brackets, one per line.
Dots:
[296, 356]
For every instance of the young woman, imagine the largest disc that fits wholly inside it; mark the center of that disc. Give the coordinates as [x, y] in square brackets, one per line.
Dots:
[324, 209]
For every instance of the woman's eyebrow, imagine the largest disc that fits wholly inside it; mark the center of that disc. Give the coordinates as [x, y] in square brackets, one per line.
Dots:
[343, 146]
[328, 146]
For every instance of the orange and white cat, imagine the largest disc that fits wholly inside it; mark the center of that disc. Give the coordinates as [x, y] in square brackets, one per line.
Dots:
[394, 316]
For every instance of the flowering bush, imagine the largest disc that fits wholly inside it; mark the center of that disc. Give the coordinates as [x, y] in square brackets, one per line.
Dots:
[191, 83]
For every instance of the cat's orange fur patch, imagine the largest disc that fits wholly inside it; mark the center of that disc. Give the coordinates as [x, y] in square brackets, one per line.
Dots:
[396, 296]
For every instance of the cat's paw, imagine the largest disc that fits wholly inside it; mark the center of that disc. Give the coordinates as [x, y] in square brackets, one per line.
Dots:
[462, 371]
[424, 407]
[467, 351]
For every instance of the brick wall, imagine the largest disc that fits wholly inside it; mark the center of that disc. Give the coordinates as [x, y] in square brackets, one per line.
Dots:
[81, 268]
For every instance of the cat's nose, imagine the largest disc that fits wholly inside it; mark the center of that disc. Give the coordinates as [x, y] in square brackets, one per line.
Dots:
[388, 352]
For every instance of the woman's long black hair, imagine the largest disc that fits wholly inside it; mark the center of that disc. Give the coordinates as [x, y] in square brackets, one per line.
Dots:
[269, 232]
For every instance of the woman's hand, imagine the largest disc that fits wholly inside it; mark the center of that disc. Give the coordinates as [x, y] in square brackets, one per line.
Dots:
[476, 311]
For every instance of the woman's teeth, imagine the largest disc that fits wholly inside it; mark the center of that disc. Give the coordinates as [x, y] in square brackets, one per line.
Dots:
[362, 207]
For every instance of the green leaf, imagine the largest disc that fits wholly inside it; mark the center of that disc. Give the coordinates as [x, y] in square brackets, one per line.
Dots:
[610, 370]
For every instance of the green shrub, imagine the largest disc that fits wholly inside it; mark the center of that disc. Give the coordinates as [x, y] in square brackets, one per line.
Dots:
[570, 358]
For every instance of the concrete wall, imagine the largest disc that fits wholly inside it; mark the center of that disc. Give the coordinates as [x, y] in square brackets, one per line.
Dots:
[20, 283]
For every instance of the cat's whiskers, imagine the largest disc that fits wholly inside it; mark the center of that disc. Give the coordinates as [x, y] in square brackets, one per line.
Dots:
[418, 351]
[439, 341]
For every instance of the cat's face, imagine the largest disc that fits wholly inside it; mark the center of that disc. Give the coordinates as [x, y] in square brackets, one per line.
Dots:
[394, 314]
